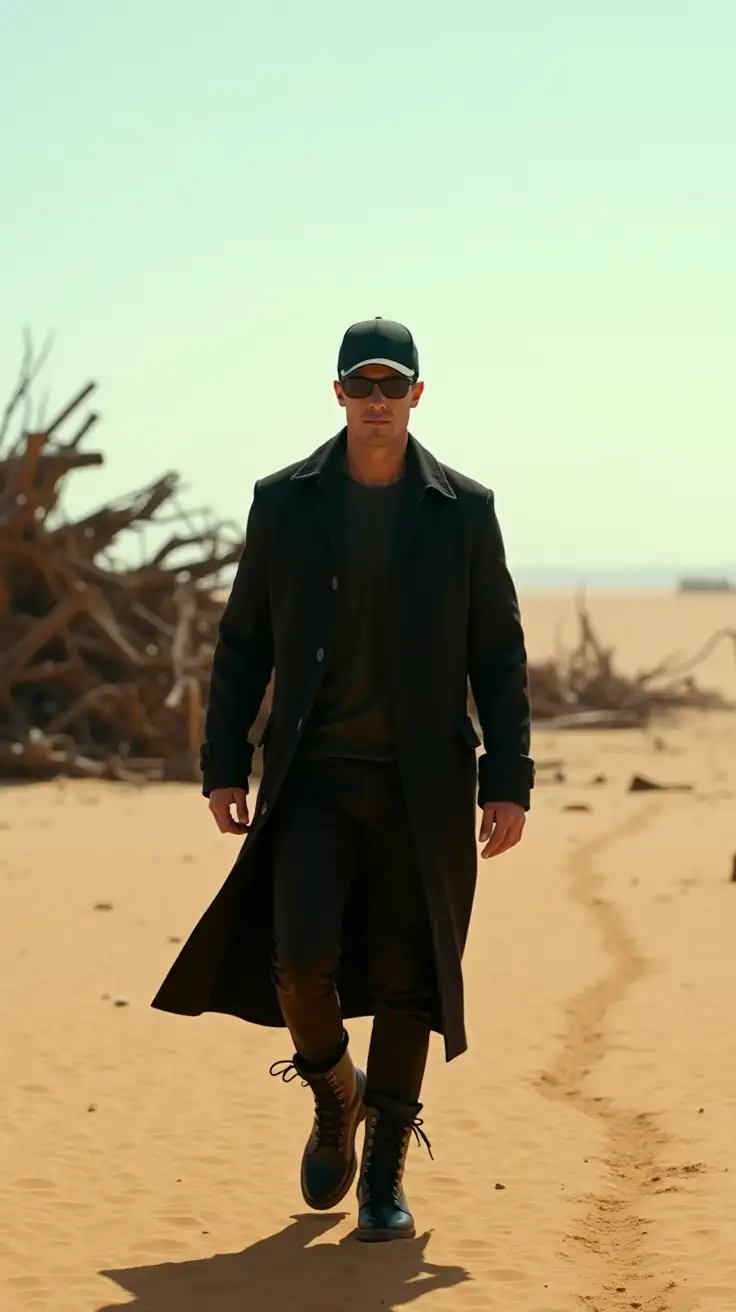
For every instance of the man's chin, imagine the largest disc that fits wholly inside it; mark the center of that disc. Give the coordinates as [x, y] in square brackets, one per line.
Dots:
[377, 434]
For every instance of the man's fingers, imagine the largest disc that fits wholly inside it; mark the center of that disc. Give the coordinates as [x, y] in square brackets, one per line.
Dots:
[224, 820]
[486, 830]
[505, 836]
[500, 829]
[221, 816]
[241, 808]
[511, 838]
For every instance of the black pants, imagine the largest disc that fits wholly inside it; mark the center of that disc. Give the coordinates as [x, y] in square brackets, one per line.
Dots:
[338, 821]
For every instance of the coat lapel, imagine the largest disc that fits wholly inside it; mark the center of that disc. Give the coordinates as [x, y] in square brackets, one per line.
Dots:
[321, 475]
[425, 478]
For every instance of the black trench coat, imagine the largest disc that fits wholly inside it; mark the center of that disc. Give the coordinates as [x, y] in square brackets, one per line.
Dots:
[455, 619]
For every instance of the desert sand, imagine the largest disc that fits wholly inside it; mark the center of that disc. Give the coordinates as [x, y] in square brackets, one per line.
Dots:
[584, 1149]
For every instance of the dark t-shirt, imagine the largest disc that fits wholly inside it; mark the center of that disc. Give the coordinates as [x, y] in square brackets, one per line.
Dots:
[352, 713]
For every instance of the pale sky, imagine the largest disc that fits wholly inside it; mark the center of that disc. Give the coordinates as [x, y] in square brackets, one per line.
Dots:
[199, 198]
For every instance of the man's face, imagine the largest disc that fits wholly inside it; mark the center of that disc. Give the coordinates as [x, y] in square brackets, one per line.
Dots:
[377, 419]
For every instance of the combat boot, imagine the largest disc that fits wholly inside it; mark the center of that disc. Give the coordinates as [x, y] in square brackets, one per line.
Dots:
[329, 1163]
[383, 1210]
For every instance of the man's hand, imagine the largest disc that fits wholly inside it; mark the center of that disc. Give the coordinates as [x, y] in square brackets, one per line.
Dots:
[221, 800]
[503, 825]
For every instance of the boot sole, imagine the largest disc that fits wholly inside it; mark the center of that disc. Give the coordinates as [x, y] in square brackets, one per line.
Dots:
[327, 1203]
[384, 1236]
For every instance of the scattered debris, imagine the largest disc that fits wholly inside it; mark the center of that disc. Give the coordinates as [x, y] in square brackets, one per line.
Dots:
[707, 584]
[582, 690]
[607, 719]
[577, 806]
[640, 784]
[102, 906]
[120, 1002]
[733, 869]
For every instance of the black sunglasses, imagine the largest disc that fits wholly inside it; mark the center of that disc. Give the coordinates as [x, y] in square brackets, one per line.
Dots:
[359, 388]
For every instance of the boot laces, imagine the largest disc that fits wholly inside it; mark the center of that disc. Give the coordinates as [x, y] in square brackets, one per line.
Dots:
[329, 1103]
[287, 1071]
[387, 1143]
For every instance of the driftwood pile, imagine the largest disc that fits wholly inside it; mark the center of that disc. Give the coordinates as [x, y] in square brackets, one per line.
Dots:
[581, 689]
[103, 665]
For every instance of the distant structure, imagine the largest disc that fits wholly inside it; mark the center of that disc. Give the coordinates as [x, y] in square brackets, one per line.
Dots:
[706, 585]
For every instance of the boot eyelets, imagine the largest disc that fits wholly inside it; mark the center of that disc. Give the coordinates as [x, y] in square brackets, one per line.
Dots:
[338, 1110]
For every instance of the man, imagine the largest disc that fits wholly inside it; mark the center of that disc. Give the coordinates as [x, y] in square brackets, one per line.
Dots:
[373, 586]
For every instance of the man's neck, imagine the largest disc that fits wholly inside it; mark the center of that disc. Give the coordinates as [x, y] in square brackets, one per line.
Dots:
[377, 468]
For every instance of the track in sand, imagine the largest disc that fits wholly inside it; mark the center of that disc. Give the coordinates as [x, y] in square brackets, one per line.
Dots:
[609, 1244]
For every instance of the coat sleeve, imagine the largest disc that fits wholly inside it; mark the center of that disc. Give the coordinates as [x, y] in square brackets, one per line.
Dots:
[497, 667]
[242, 664]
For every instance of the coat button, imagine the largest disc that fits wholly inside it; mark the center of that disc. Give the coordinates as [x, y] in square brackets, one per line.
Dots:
[320, 653]
[334, 583]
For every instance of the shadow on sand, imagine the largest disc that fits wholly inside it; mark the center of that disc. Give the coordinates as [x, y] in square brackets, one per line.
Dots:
[285, 1272]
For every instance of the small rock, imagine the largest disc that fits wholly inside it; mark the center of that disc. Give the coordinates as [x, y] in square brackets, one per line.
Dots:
[577, 806]
[733, 869]
[599, 779]
[102, 906]
[640, 784]
[500, 1186]
[120, 1002]
[92, 1107]
[174, 938]
[700, 1111]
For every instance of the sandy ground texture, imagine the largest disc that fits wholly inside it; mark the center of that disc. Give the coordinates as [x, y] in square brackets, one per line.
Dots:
[584, 1147]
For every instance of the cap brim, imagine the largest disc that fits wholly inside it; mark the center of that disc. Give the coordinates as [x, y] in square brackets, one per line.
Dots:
[390, 364]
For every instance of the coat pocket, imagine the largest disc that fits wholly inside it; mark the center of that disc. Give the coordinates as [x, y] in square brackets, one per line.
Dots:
[466, 729]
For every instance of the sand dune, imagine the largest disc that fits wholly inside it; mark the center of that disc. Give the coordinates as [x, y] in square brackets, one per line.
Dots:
[584, 1148]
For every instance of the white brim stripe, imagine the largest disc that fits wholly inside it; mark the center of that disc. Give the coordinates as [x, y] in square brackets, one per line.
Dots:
[390, 364]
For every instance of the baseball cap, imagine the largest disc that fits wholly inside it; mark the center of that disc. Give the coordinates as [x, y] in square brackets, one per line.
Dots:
[378, 341]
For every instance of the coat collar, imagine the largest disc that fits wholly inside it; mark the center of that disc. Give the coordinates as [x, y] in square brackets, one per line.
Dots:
[423, 470]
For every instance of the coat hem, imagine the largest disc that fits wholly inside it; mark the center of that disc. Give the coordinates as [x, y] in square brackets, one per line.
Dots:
[451, 1050]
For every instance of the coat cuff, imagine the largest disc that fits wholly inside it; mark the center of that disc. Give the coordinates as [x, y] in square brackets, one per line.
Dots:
[220, 771]
[505, 779]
